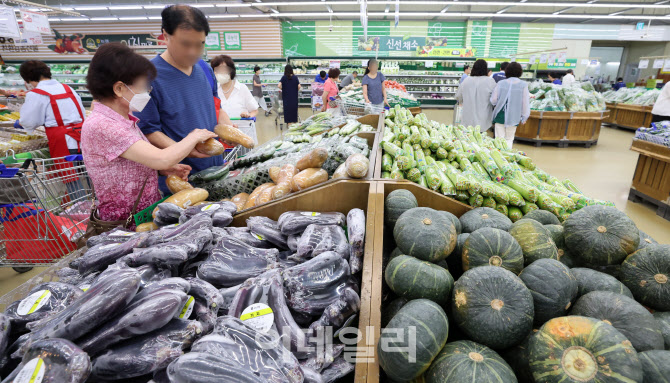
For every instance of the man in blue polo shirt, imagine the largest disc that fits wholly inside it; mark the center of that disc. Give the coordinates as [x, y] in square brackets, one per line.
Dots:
[182, 98]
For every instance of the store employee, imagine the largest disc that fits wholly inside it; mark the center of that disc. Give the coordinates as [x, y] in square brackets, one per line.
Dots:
[182, 99]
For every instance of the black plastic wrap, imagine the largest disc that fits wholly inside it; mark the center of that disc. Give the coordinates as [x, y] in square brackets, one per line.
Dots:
[243, 234]
[221, 213]
[292, 242]
[311, 376]
[318, 239]
[151, 273]
[167, 213]
[267, 229]
[56, 360]
[294, 222]
[233, 262]
[42, 301]
[170, 253]
[5, 331]
[117, 235]
[206, 293]
[261, 293]
[356, 231]
[337, 370]
[99, 257]
[228, 294]
[336, 313]
[316, 284]
[181, 231]
[323, 359]
[172, 283]
[198, 367]
[147, 353]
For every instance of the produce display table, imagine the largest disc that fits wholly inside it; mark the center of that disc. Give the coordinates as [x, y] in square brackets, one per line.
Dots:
[651, 180]
[562, 128]
[628, 116]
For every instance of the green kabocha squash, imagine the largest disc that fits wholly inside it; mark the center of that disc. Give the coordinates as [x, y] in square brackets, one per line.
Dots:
[431, 327]
[518, 357]
[425, 233]
[663, 319]
[553, 286]
[542, 216]
[611, 270]
[601, 235]
[392, 308]
[492, 306]
[581, 349]
[647, 274]
[455, 221]
[492, 247]
[626, 315]
[467, 361]
[413, 279]
[534, 239]
[591, 280]
[396, 203]
[645, 239]
[484, 217]
[454, 261]
[655, 366]
[564, 255]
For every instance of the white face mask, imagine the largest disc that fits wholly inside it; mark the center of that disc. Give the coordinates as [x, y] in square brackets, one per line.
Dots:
[138, 101]
[223, 78]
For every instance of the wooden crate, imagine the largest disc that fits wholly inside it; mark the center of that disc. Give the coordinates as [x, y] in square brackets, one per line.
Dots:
[415, 110]
[632, 116]
[553, 125]
[426, 198]
[652, 173]
[612, 108]
[529, 130]
[585, 126]
[562, 128]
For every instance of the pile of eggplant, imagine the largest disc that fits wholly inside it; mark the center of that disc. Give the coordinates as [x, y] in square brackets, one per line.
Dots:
[195, 301]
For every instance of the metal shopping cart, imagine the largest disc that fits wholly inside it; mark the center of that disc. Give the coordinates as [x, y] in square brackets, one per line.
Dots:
[44, 209]
[355, 108]
[248, 127]
[277, 107]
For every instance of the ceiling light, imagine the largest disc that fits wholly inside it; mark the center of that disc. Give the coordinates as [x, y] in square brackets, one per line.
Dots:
[74, 19]
[90, 8]
[133, 18]
[157, 6]
[253, 15]
[122, 7]
[274, 10]
[155, 18]
[198, 5]
[233, 5]
[223, 16]
[54, 19]
[104, 18]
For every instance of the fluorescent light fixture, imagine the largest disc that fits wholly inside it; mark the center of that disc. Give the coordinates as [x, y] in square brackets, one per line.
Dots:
[157, 6]
[74, 19]
[133, 18]
[123, 7]
[330, 10]
[613, 63]
[199, 5]
[233, 5]
[104, 18]
[155, 18]
[223, 16]
[253, 15]
[90, 8]
[54, 19]
[66, 9]
[274, 10]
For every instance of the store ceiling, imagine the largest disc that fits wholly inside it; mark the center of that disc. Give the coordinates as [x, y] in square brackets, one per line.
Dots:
[546, 11]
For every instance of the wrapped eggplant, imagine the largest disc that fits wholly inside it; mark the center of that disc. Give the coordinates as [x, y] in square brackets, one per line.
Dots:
[316, 284]
[117, 235]
[148, 313]
[318, 239]
[167, 213]
[234, 339]
[5, 332]
[207, 368]
[168, 283]
[323, 359]
[261, 303]
[110, 293]
[205, 293]
[337, 370]
[292, 242]
[233, 262]
[221, 213]
[43, 300]
[204, 315]
[244, 235]
[150, 274]
[267, 229]
[311, 376]
[335, 314]
[294, 222]
[52, 361]
[147, 353]
[170, 253]
[356, 231]
[180, 231]
[99, 257]
[86, 281]
[228, 294]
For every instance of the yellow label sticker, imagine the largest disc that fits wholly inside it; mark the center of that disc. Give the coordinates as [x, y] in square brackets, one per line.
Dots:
[32, 372]
[258, 316]
[186, 311]
[33, 302]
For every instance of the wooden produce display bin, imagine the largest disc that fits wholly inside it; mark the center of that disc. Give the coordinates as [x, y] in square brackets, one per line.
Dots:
[628, 116]
[425, 198]
[611, 107]
[562, 128]
[651, 180]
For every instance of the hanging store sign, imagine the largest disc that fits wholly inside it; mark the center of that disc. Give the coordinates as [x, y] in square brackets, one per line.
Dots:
[232, 41]
[644, 64]
[551, 59]
[399, 43]
[531, 60]
[658, 63]
[213, 41]
[81, 44]
[9, 27]
[543, 58]
[562, 57]
[29, 38]
[446, 52]
[36, 22]
[666, 66]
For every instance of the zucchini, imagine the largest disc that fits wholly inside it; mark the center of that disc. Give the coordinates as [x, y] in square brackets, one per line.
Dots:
[210, 174]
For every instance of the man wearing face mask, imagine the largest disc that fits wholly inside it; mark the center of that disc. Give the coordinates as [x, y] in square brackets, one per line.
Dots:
[236, 99]
[182, 98]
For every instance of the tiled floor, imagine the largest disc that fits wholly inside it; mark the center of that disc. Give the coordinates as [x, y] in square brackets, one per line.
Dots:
[604, 171]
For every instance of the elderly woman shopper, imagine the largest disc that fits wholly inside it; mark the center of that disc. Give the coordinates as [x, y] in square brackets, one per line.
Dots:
[474, 95]
[330, 90]
[511, 99]
[236, 99]
[121, 162]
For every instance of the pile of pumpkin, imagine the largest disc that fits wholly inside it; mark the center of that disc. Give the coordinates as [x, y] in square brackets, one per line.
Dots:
[481, 299]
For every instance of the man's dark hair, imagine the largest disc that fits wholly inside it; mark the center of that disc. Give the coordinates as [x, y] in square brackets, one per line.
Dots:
[34, 70]
[288, 71]
[569, 71]
[354, 72]
[503, 66]
[256, 68]
[322, 74]
[333, 73]
[513, 70]
[115, 62]
[620, 79]
[466, 68]
[224, 59]
[480, 68]
[185, 17]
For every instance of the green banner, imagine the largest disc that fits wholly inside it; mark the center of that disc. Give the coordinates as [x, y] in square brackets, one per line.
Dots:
[446, 34]
[368, 47]
[298, 38]
[479, 33]
[213, 41]
[504, 39]
[427, 51]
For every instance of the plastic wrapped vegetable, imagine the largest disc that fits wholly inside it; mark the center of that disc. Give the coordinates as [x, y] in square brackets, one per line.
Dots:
[356, 234]
[240, 200]
[231, 134]
[340, 172]
[316, 284]
[308, 178]
[5, 331]
[267, 292]
[188, 197]
[99, 257]
[206, 293]
[176, 184]
[251, 201]
[211, 147]
[294, 222]
[181, 231]
[314, 159]
[232, 262]
[337, 312]
[221, 212]
[170, 253]
[43, 300]
[167, 213]
[243, 234]
[228, 294]
[147, 353]
[337, 370]
[52, 361]
[357, 166]
[267, 229]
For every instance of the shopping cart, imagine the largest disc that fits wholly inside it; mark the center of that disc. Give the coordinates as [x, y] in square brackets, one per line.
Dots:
[248, 127]
[277, 107]
[44, 209]
[355, 108]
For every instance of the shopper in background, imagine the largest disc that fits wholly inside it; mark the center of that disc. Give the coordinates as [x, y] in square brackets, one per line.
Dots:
[290, 87]
[236, 99]
[53, 105]
[321, 77]
[489, 73]
[619, 84]
[661, 109]
[501, 75]
[511, 100]
[330, 88]
[569, 78]
[182, 99]
[349, 79]
[373, 85]
[474, 95]
[553, 78]
[466, 73]
[120, 160]
[257, 90]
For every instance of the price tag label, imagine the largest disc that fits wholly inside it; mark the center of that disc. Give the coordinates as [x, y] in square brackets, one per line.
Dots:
[259, 316]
